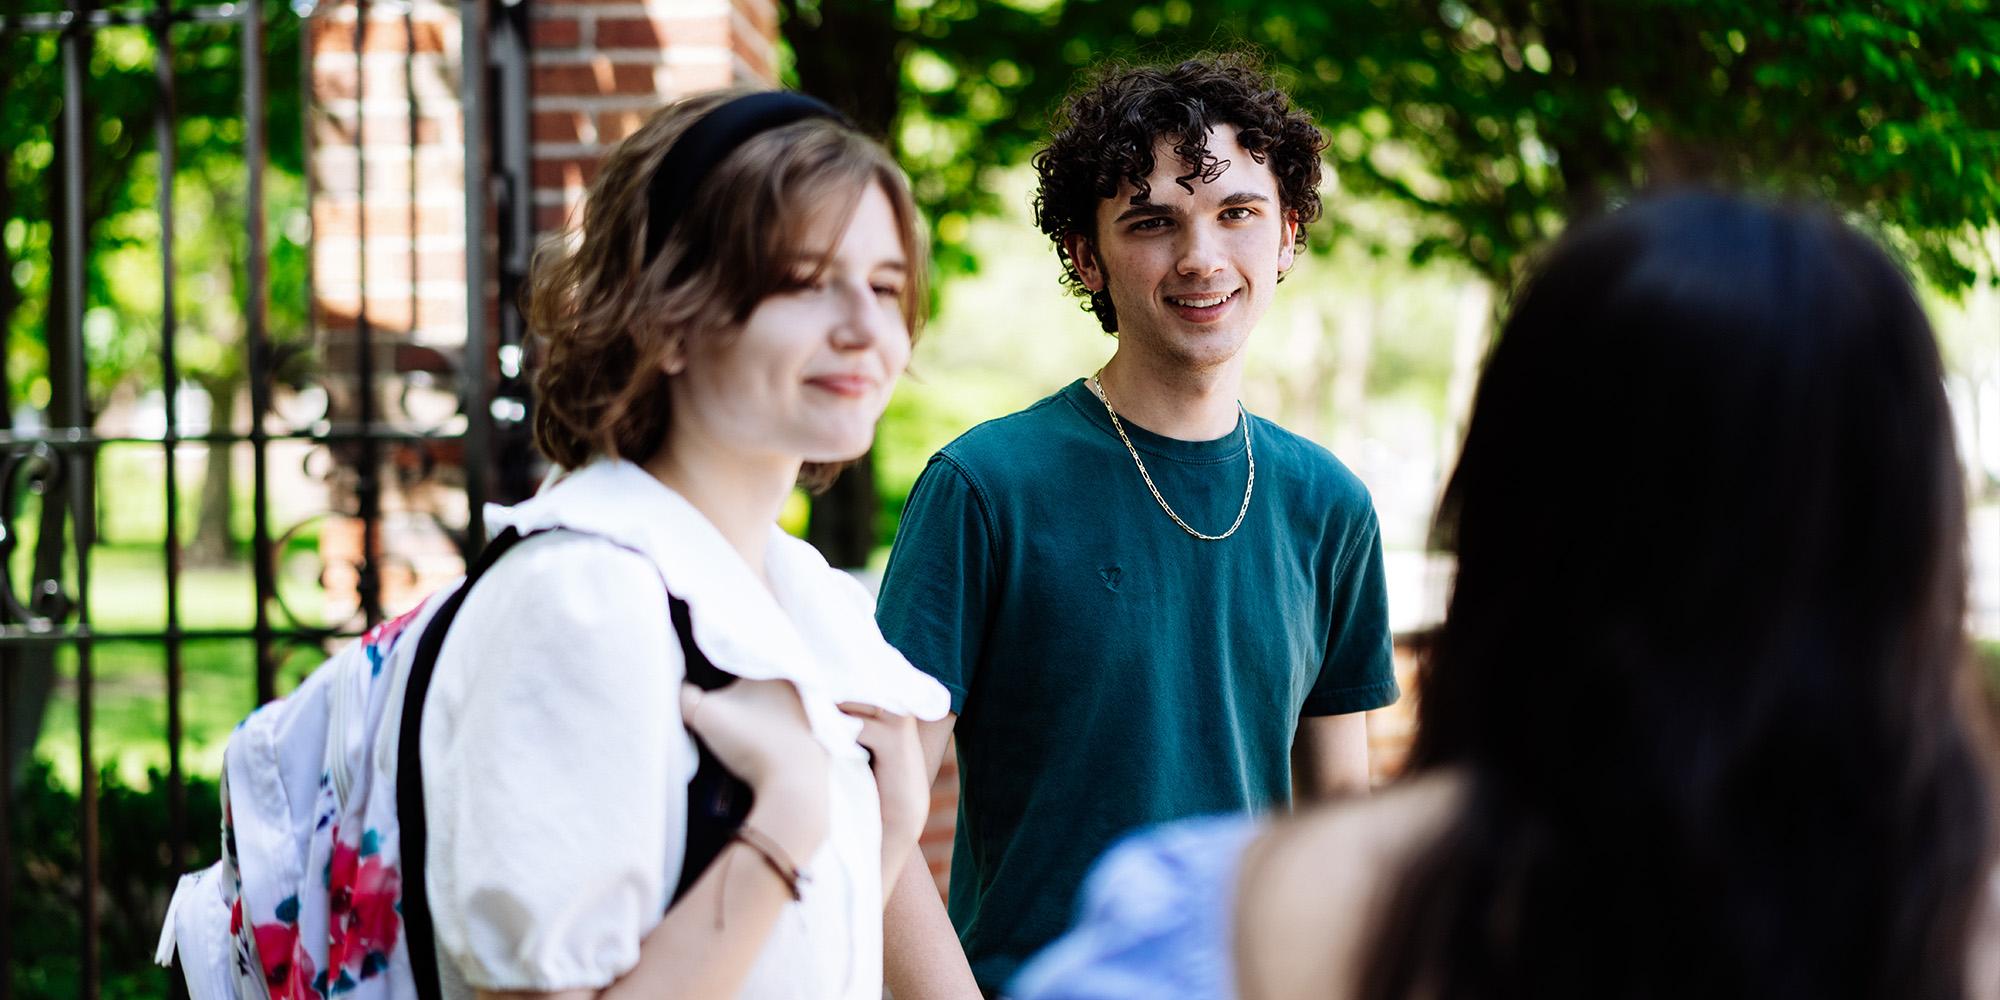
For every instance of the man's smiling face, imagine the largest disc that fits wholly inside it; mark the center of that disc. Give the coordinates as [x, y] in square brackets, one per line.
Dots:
[1190, 273]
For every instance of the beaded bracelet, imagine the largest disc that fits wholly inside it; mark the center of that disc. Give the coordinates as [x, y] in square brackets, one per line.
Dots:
[774, 857]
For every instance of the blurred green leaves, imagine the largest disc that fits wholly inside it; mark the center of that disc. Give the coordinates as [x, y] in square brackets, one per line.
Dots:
[1499, 120]
[121, 92]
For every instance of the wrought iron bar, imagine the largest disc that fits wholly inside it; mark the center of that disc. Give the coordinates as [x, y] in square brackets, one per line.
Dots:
[258, 336]
[168, 160]
[27, 636]
[367, 488]
[73, 408]
[64, 439]
[10, 679]
[511, 166]
[472, 374]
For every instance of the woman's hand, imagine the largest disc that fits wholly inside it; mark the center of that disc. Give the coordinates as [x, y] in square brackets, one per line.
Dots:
[758, 730]
[897, 758]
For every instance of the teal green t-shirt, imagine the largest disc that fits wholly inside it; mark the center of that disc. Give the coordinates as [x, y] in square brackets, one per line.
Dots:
[1109, 670]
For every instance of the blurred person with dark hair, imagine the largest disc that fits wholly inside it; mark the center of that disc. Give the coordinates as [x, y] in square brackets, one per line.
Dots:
[1138, 594]
[1700, 720]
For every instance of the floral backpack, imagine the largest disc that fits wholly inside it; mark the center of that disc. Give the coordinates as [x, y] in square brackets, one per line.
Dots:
[320, 889]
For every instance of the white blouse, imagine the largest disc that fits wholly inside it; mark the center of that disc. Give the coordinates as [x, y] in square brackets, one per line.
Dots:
[556, 765]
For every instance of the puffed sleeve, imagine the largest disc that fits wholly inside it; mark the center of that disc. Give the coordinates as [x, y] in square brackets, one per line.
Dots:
[555, 768]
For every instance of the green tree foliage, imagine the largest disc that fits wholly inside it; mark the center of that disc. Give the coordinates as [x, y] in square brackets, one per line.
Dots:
[124, 298]
[1499, 120]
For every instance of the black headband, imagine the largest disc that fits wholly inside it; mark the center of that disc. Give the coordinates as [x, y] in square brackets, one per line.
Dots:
[704, 145]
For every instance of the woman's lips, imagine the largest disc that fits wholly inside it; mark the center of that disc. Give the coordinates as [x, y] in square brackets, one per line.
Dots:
[850, 386]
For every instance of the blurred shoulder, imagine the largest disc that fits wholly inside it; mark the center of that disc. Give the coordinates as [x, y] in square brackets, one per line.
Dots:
[1296, 935]
[1984, 975]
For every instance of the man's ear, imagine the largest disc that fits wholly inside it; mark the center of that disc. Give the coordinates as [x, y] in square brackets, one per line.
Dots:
[1083, 256]
[1288, 254]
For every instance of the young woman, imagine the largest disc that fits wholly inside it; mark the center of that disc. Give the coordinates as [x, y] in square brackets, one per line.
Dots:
[730, 318]
[1699, 721]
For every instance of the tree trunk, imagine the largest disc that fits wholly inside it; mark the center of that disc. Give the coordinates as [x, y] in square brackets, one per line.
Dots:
[847, 55]
[842, 524]
[213, 544]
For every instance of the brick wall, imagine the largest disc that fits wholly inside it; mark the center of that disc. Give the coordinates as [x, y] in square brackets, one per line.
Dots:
[388, 169]
[600, 66]
[387, 166]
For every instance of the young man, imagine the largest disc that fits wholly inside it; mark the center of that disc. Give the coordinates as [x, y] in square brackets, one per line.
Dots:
[1137, 593]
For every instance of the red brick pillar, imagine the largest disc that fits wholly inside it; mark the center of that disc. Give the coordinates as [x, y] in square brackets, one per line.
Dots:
[387, 169]
[601, 66]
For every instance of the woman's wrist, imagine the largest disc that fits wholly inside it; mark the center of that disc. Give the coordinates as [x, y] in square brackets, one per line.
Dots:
[791, 809]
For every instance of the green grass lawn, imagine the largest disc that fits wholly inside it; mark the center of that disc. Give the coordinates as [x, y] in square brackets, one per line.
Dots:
[129, 731]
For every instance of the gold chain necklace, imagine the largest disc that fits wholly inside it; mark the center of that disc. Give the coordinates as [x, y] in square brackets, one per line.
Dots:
[1097, 385]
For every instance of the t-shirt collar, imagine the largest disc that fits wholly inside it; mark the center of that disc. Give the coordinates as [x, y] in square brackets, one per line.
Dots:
[1229, 446]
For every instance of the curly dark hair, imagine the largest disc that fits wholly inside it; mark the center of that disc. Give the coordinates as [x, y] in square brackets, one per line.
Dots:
[1105, 131]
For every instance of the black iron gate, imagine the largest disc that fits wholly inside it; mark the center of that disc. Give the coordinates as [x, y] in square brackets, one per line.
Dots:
[337, 404]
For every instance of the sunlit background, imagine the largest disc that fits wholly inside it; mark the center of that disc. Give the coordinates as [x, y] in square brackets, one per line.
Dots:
[1463, 134]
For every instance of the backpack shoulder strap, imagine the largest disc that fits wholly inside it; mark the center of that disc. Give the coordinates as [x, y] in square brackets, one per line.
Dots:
[718, 801]
[418, 932]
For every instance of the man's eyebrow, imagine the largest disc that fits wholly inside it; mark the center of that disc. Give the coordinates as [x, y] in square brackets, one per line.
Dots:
[1147, 210]
[1150, 210]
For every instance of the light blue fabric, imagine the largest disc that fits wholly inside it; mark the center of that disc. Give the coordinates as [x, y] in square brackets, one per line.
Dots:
[1155, 920]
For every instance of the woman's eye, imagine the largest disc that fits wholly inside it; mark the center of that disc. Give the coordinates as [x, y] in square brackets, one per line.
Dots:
[889, 291]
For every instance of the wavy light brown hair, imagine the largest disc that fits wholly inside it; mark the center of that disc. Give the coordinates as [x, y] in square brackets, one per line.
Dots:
[607, 321]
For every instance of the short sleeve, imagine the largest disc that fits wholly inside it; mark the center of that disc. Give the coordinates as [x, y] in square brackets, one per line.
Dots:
[936, 591]
[553, 761]
[1155, 919]
[1359, 672]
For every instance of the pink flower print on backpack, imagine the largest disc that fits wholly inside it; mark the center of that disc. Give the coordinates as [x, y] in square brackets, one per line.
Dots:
[363, 894]
[288, 968]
